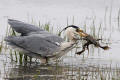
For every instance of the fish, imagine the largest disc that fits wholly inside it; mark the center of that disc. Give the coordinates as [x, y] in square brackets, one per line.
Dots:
[91, 41]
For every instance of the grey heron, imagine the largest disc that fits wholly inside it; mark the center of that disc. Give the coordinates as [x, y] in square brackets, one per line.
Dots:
[38, 43]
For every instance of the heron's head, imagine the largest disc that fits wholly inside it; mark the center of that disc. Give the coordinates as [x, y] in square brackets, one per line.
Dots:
[73, 31]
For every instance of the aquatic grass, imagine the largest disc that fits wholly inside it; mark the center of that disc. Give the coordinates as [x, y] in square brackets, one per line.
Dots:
[1, 46]
[20, 57]
[47, 27]
[85, 27]
[11, 55]
[73, 20]
[93, 29]
[13, 33]
[67, 21]
[118, 18]
[16, 59]
[105, 24]
[110, 15]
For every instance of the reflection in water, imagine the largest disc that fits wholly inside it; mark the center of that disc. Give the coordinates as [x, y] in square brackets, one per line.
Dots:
[60, 71]
[36, 72]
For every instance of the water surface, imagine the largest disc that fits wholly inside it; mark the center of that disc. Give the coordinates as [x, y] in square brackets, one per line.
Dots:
[96, 65]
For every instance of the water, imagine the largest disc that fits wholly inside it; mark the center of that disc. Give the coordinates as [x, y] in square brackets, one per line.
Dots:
[96, 65]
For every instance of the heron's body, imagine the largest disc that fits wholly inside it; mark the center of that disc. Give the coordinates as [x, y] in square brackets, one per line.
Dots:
[36, 42]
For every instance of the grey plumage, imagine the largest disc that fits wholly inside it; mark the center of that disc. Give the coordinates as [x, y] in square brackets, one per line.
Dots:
[33, 39]
[22, 27]
[27, 29]
[34, 44]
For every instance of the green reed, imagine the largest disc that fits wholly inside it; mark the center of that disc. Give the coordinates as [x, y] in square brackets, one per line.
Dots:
[118, 18]
[1, 46]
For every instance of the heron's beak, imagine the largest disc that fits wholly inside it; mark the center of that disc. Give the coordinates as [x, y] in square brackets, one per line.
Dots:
[81, 33]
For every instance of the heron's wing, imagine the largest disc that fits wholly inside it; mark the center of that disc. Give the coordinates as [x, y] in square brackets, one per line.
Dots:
[22, 27]
[49, 36]
[28, 29]
[35, 44]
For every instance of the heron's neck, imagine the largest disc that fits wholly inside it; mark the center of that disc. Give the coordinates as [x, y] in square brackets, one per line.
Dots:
[65, 47]
[67, 44]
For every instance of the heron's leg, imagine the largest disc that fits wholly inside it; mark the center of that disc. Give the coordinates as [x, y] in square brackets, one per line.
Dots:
[84, 46]
[25, 58]
[46, 60]
[43, 60]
